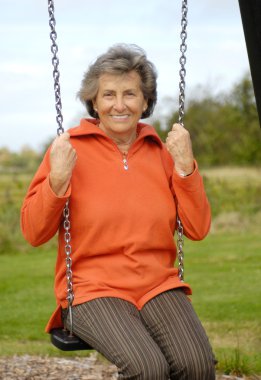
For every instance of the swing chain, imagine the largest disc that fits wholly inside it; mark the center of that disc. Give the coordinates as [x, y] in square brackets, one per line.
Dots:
[182, 61]
[60, 130]
[180, 244]
[68, 260]
[56, 73]
[182, 85]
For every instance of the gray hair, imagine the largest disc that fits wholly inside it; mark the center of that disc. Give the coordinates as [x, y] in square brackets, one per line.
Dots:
[120, 59]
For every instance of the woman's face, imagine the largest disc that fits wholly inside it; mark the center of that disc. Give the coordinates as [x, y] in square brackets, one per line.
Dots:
[120, 104]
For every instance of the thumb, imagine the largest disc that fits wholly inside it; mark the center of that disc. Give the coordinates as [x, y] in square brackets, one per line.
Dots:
[176, 126]
[60, 139]
[64, 136]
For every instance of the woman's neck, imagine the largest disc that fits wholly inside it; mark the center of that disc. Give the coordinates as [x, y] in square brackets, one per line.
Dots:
[124, 147]
[123, 142]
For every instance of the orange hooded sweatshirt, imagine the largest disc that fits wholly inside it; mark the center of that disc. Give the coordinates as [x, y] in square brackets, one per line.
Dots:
[123, 217]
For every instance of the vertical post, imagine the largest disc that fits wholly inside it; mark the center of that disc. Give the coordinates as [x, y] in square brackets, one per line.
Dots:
[251, 20]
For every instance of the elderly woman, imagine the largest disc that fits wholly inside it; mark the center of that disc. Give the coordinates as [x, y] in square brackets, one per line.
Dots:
[125, 188]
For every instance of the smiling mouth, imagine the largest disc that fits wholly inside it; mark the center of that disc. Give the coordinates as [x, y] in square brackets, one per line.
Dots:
[119, 117]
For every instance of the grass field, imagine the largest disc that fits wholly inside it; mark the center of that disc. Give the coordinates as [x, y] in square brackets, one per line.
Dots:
[224, 271]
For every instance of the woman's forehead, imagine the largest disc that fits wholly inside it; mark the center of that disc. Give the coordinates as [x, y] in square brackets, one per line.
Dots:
[130, 79]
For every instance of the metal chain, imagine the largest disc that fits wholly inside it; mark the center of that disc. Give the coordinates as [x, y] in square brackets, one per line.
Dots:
[180, 245]
[182, 61]
[182, 85]
[68, 260]
[60, 130]
[56, 73]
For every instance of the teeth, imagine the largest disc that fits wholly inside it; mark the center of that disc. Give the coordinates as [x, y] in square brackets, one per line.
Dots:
[119, 116]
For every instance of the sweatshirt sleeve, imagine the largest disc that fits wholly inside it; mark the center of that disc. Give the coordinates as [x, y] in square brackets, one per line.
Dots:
[191, 201]
[192, 204]
[42, 209]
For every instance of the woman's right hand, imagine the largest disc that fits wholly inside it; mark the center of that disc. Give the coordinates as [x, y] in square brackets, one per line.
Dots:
[62, 159]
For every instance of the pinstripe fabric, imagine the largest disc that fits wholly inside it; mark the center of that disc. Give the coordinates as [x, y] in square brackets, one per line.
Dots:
[165, 340]
[176, 329]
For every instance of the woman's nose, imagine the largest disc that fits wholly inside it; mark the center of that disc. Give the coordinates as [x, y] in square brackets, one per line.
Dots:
[119, 104]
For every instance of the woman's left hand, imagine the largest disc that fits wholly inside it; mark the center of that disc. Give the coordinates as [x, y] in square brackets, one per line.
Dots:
[179, 145]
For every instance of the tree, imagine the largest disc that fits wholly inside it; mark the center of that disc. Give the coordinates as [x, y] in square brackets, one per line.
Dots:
[225, 128]
[26, 160]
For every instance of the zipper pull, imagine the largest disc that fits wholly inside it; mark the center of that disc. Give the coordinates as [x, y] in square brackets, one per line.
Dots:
[125, 161]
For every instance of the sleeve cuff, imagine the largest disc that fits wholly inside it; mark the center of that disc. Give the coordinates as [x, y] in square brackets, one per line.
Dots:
[52, 194]
[182, 175]
[189, 182]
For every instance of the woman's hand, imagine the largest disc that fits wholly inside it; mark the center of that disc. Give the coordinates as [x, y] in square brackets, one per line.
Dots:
[62, 159]
[179, 145]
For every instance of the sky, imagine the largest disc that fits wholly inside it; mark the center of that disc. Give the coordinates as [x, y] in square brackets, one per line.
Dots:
[216, 55]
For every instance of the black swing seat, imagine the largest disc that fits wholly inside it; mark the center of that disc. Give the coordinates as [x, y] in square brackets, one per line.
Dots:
[63, 340]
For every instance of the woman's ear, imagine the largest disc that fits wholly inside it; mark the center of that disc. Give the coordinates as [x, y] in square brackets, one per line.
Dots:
[94, 105]
[145, 106]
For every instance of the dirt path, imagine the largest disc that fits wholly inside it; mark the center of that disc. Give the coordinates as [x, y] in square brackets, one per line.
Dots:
[49, 368]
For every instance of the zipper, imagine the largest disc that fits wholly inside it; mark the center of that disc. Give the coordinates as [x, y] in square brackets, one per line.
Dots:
[125, 161]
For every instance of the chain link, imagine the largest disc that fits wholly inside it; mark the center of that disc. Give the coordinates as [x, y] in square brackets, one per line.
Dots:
[68, 261]
[182, 85]
[182, 61]
[68, 251]
[56, 73]
[60, 130]
[180, 245]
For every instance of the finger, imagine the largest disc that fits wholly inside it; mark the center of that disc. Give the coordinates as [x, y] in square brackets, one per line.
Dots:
[61, 146]
[171, 134]
[63, 138]
[74, 154]
[54, 143]
[167, 139]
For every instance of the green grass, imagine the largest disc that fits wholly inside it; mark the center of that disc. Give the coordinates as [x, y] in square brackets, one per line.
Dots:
[224, 271]
[27, 302]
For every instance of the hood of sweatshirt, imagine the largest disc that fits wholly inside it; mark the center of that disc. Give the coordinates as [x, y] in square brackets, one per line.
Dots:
[91, 127]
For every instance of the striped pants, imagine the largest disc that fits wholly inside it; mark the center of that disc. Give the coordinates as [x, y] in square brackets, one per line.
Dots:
[164, 340]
